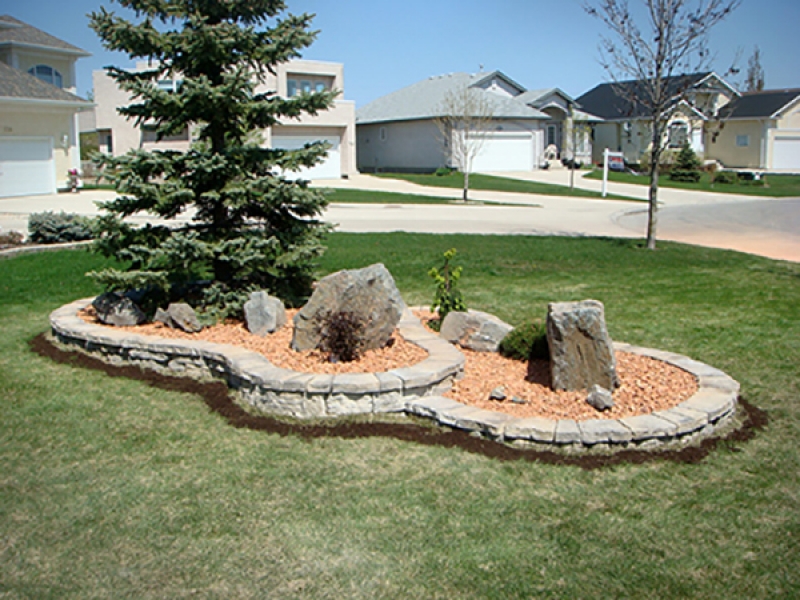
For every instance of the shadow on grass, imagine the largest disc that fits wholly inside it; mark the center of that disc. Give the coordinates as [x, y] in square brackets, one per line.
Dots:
[216, 396]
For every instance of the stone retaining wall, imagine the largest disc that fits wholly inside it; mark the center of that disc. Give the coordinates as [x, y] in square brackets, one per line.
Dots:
[414, 390]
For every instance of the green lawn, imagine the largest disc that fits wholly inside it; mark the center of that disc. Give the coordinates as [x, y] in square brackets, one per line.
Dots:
[347, 196]
[778, 186]
[110, 488]
[478, 181]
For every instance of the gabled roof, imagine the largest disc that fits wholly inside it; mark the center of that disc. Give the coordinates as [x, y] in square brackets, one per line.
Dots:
[15, 32]
[482, 78]
[17, 85]
[424, 100]
[618, 100]
[765, 104]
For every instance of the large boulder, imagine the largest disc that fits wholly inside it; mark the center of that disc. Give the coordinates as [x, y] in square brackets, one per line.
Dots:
[581, 354]
[474, 330]
[264, 314]
[115, 308]
[369, 293]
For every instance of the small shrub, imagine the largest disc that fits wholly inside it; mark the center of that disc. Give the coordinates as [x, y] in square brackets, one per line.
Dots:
[726, 177]
[341, 335]
[526, 342]
[447, 297]
[686, 167]
[10, 239]
[443, 171]
[56, 228]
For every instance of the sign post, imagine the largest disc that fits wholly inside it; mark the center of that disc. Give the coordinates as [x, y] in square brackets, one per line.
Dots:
[614, 161]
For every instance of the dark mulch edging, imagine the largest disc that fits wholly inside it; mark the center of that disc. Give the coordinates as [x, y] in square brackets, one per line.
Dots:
[217, 398]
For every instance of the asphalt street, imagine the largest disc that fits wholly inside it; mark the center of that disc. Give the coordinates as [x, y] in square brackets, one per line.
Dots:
[765, 226]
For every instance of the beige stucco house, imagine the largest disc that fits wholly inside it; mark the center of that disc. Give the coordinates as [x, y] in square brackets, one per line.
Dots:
[118, 135]
[759, 130]
[39, 141]
[399, 132]
[625, 128]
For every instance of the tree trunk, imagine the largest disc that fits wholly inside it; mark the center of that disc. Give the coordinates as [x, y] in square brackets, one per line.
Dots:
[466, 186]
[652, 209]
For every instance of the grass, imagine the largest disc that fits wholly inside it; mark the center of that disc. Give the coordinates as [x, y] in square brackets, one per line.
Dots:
[347, 196]
[493, 183]
[112, 489]
[778, 186]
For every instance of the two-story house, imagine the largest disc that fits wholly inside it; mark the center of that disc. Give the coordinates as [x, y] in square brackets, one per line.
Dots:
[118, 135]
[39, 140]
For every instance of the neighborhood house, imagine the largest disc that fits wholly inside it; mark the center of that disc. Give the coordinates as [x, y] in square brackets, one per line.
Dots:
[336, 126]
[39, 141]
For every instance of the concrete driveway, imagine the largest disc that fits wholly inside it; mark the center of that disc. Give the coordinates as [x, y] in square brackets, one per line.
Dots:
[768, 227]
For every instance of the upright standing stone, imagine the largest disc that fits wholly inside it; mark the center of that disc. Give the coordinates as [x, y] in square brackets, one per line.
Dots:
[369, 293]
[263, 313]
[581, 354]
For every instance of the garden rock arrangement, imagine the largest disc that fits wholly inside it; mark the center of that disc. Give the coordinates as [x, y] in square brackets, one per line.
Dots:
[474, 330]
[264, 314]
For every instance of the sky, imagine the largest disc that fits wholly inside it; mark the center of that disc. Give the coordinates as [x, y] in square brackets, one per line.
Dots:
[386, 45]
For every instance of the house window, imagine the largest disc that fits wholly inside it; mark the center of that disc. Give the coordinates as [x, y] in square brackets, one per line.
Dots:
[48, 75]
[169, 85]
[678, 134]
[742, 140]
[291, 87]
[295, 86]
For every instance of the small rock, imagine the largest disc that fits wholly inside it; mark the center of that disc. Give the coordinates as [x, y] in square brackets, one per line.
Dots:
[600, 398]
[498, 394]
[183, 317]
[263, 313]
[518, 400]
[474, 330]
[115, 308]
[162, 316]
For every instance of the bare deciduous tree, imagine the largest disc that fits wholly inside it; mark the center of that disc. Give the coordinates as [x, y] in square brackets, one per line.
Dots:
[754, 81]
[464, 121]
[655, 46]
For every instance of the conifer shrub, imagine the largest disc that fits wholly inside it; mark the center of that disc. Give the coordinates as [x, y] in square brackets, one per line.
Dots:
[58, 228]
[686, 167]
[526, 342]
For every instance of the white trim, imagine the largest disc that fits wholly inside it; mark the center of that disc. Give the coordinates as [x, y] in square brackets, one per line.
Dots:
[784, 107]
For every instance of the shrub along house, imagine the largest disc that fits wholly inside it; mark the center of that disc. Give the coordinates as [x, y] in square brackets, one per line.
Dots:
[39, 141]
[626, 122]
[399, 132]
[118, 135]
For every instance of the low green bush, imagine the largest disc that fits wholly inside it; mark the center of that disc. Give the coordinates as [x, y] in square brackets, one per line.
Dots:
[9, 239]
[726, 177]
[443, 171]
[526, 342]
[55, 228]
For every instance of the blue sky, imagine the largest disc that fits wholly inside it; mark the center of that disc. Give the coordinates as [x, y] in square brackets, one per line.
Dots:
[388, 45]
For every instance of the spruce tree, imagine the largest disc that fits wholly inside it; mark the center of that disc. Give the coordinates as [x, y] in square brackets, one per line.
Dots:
[253, 225]
[687, 165]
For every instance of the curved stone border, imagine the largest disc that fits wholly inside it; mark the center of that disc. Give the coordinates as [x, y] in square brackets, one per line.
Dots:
[262, 385]
[414, 390]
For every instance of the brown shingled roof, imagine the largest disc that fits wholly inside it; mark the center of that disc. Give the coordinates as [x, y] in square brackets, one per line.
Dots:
[14, 31]
[17, 84]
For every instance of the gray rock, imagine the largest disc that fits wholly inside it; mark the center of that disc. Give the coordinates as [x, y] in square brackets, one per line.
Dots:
[518, 400]
[581, 354]
[600, 398]
[115, 308]
[474, 330]
[183, 317]
[369, 293]
[498, 394]
[162, 316]
[264, 314]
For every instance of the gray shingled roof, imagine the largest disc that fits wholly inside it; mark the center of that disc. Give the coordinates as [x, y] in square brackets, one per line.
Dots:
[755, 105]
[424, 100]
[19, 85]
[618, 100]
[14, 31]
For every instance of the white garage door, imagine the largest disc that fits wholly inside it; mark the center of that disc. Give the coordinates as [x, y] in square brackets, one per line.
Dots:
[26, 167]
[505, 152]
[329, 168]
[786, 152]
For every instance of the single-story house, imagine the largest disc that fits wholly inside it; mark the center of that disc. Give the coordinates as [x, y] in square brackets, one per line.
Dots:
[118, 135]
[39, 140]
[399, 131]
[759, 130]
[625, 128]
